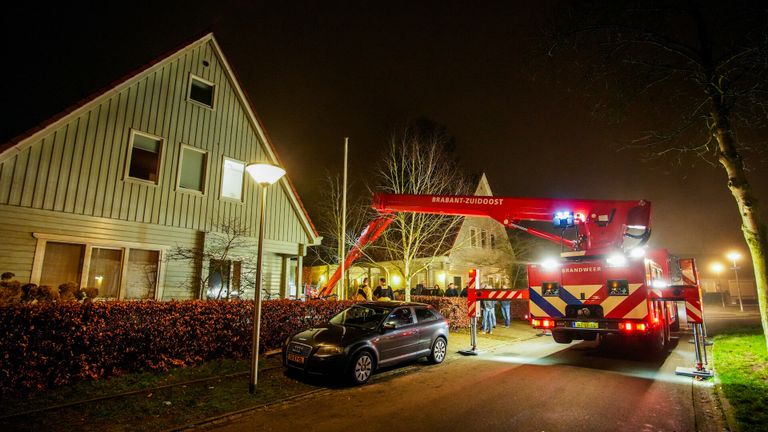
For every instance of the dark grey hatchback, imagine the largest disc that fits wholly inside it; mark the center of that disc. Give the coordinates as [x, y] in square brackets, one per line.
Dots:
[367, 336]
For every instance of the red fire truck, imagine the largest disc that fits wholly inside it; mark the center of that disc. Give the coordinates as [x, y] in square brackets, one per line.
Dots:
[605, 281]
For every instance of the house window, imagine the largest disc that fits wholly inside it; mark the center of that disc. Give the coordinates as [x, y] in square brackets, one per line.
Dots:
[232, 179]
[104, 271]
[63, 263]
[201, 91]
[472, 237]
[493, 241]
[224, 279]
[483, 239]
[193, 167]
[141, 280]
[117, 270]
[144, 157]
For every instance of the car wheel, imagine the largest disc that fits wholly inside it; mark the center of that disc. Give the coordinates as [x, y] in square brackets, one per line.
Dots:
[561, 337]
[439, 349]
[361, 369]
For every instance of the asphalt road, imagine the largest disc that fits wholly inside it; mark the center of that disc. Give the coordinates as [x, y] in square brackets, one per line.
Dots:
[529, 385]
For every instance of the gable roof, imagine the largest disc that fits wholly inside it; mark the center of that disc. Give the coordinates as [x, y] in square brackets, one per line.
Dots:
[18, 143]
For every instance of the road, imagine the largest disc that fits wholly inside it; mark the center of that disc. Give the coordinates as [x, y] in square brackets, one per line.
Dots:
[529, 385]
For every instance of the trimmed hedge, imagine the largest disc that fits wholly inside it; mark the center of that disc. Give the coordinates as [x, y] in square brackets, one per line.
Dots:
[53, 344]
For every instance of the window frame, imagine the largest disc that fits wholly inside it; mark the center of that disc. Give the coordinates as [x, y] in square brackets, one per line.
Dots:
[126, 175]
[193, 77]
[242, 181]
[473, 237]
[179, 187]
[90, 243]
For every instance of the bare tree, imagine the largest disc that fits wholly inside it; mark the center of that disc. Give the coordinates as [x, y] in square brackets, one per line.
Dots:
[226, 243]
[705, 64]
[359, 213]
[525, 246]
[418, 161]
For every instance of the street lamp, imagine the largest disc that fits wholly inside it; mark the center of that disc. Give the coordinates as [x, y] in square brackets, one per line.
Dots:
[264, 174]
[717, 269]
[734, 256]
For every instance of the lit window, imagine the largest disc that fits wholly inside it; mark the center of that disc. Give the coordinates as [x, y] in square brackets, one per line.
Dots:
[232, 179]
[483, 239]
[141, 281]
[63, 263]
[201, 91]
[144, 157]
[472, 237]
[104, 271]
[66, 262]
[192, 169]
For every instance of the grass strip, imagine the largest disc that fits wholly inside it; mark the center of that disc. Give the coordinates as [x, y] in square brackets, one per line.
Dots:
[741, 364]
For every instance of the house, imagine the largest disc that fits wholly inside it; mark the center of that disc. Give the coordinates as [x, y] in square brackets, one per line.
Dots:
[104, 193]
[479, 242]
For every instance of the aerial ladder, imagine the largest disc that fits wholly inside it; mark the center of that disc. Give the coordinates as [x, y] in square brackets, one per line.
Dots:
[603, 283]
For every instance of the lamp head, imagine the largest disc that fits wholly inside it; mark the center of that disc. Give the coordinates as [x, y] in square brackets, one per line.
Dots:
[265, 173]
[717, 268]
[734, 256]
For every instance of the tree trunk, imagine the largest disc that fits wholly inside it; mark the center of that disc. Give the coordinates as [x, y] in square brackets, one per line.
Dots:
[752, 224]
[407, 279]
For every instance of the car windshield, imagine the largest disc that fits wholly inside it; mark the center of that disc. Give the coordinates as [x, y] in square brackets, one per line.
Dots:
[361, 316]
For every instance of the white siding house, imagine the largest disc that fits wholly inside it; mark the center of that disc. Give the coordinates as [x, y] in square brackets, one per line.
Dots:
[101, 194]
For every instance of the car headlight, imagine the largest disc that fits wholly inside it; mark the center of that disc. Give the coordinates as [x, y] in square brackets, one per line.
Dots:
[329, 350]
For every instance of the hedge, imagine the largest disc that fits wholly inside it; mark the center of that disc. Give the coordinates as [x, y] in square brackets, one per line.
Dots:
[53, 344]
[56, 343]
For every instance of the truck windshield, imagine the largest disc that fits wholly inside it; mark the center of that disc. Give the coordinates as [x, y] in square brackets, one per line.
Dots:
[361, 316]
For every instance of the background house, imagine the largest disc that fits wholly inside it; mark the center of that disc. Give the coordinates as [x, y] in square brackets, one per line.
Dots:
[102, 194]
[478, 243]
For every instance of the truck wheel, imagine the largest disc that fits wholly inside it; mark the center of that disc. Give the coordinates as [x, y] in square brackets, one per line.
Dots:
[675, 326]
[561, 337]
[656, 342]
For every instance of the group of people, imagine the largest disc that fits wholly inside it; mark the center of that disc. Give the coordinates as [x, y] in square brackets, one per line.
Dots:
[382, 292]
[489, 314]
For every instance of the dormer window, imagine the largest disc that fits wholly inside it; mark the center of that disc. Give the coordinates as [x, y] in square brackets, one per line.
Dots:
[201, 91]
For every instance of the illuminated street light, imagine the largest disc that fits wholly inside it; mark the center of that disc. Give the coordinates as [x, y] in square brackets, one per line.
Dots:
[717, 268]
[264, 174]
[735, 256]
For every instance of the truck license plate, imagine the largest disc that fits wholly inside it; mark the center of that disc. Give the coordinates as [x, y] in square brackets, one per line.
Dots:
[296, 358]
[586, 324]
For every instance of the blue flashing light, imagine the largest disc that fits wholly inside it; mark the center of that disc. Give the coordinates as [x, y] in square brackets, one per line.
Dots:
[563, 219]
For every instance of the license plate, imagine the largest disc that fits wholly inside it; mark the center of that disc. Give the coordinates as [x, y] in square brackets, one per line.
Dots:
[296, 358]
[586, 324]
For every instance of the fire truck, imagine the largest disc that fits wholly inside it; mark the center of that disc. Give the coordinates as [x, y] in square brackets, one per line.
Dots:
[604, 282]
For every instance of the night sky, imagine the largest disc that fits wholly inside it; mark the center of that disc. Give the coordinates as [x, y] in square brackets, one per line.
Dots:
[319, 71]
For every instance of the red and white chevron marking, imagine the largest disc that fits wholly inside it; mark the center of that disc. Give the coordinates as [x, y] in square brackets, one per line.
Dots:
[693, 311]
[502, 294]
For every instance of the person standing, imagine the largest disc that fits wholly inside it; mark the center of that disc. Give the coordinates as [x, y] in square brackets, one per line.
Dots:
[505, 312]
[436, 291]
[489, 316]
[451, 291]
[364, 292]
[464, 291]
[383, 292]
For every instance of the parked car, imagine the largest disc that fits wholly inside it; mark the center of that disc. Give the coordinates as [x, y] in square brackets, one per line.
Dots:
[368, 336]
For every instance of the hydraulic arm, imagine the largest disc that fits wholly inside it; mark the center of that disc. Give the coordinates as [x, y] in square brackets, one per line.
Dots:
[601, 225]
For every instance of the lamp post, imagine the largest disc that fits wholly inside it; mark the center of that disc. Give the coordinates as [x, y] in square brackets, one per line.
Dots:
[717, 269]
[734, 256]
[264, 174]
